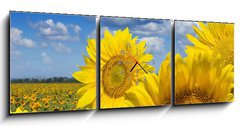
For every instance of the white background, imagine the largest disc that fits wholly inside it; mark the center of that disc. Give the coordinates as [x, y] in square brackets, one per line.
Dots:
[206, 10]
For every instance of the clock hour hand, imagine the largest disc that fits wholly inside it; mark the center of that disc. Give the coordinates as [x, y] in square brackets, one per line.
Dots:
[134, 66]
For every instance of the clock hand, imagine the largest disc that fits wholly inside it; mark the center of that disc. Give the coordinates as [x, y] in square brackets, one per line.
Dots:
[134, 66]
[142, 68]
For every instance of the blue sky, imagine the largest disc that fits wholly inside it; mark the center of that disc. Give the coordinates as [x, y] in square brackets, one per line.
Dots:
[181, 29]
[156, 32]
[46, 45]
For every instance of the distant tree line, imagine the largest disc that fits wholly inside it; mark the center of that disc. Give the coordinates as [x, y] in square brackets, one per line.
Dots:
[46, 80]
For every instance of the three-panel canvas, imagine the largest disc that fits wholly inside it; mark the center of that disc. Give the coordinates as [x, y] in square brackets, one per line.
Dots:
[62, 62]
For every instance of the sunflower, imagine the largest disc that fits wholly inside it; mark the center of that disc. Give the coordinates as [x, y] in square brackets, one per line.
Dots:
[87, 77]
[33, 97]
[159, 86]
[25, 96]
[55, 108]
[19, 110]
[31, 104]
[37, 105]
[215, 37]
[12, 100]
[45, 100]
[61, 101]
[121, 85]
[23, 103]
[202, 77]
[46, 105]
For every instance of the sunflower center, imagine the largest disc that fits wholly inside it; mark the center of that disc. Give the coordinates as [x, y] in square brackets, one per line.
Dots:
[116, 77]
[117, 74]
[225, 49]
[193, 97]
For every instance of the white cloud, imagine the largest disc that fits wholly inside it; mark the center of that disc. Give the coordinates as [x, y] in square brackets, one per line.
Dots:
[45, 58]
[16, 38]
[57, 30]
[181, 29]
[49, 22]
[15, 54]
[76, 28]
[44, 45]
[154, 44]
[103, 29]
[48, 28]
[15, 34]
[153, 28]
[27, 43]
[28, 63]
[119, 21]
[59, 47]
[92, 34]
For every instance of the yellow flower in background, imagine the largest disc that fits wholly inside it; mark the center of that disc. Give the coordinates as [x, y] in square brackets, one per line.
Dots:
[44, 100]
[19, 110]
[31, 104]
[12, 100]
[23, 103]
[215, 37]
[87, 77]
[159, 86]
[25, 96]
[202, 77]
[70, 92]
[61, 101]
[46, 105]
[55, 108]
[33, 97]
[37, 105]
[121, 86]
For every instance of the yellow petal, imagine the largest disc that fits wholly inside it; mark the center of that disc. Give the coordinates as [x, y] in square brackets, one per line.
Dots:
[86, 76]
[139, 96]
[87, 98]
[196, 42]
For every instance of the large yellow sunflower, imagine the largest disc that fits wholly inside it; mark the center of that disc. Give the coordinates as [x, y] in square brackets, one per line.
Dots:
[87, 77]
[159, 86]
[215, 37]
[121, 84]
[202, 77]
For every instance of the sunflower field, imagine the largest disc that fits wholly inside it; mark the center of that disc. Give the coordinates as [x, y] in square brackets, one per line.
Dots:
[43, 97]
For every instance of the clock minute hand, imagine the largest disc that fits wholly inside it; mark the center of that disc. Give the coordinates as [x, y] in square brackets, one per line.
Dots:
[142, 68]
